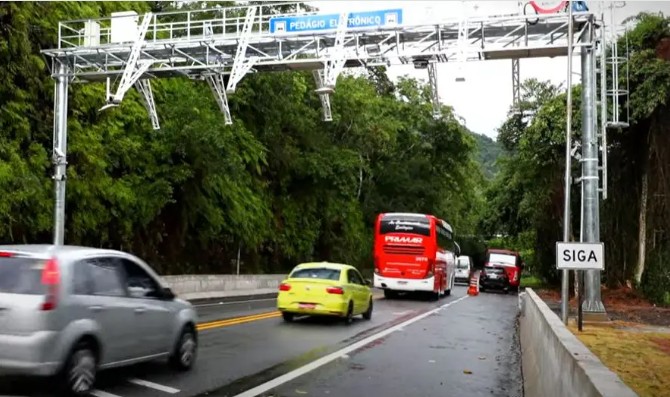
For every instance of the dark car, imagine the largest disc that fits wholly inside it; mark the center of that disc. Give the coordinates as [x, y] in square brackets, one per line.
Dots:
[494, 277]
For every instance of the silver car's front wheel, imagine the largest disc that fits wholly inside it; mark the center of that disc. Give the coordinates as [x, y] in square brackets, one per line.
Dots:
[80, 371]
[185, 350]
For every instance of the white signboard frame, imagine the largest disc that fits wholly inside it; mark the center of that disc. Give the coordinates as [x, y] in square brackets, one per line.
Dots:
[580, 256]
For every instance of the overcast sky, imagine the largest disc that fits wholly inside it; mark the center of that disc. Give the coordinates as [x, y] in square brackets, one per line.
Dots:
[485, 97]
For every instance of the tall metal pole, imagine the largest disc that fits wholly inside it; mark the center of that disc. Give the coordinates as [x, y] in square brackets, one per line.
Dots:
[565, 282]
[59, 150]
[590, 174]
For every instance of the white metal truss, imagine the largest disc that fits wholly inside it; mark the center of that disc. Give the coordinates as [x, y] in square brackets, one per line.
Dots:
[144, 87]
[336, 59]
[242, 64]
[218, 86]
[324, 96]
[232, 40]
[434, 93]
[134, 67]
[463, 30]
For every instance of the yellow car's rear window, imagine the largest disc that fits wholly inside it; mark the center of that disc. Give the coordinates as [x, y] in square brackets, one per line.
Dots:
[317, 273]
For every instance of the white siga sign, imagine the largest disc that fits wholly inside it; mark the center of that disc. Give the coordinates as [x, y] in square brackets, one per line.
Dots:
[580, 256]
[548, 7]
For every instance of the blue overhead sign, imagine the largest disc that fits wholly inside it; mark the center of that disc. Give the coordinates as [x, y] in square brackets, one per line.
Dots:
[315, 23]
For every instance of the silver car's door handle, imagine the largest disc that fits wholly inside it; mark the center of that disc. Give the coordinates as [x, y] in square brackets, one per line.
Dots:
[140, 310]
[97, 308]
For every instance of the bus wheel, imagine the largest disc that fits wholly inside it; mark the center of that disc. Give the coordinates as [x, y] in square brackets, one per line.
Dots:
[389, 294]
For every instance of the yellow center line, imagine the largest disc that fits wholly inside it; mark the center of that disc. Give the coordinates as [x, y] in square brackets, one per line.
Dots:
[237, 320]
[245, 319]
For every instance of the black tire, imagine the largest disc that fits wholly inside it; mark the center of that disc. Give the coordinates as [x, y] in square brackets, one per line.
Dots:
[349, 318]
[185, 350]
[368, 313]
[288, 317]
[80, 369]
[451, 285]
[389, 294]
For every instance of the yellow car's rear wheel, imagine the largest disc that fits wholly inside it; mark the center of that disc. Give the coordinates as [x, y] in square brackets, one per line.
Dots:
[368, 313]
[349, 318]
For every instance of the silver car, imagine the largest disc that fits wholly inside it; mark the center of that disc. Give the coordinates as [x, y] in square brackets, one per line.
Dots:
[71, 311]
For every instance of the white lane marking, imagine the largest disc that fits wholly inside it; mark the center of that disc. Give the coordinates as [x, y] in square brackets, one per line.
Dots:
[100, 393]
[234, 303]
[401, 313]
[153, 385]
[341, 353]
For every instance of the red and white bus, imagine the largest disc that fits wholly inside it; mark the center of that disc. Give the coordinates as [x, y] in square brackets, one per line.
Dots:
[414, 253]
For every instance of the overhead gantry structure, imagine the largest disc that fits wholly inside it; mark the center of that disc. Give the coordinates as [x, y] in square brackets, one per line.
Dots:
[222, 45]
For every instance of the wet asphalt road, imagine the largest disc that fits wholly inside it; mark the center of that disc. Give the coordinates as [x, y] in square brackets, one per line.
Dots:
[430, 356]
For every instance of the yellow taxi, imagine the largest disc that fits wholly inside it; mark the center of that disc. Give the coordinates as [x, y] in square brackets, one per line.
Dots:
[325, 289]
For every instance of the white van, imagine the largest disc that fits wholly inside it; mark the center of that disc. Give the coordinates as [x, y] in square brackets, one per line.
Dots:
[463, 267]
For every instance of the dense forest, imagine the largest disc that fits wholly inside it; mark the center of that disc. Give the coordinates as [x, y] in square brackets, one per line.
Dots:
[525, 201]
[282, 186]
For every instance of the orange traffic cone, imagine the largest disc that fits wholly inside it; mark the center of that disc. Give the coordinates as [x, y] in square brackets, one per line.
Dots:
[473, 290]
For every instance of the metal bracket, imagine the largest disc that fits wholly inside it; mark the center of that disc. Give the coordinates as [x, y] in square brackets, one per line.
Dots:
[325, 97]
[516, 83]
[434, 94]
[336, 59]
[218, 87]
[134, 68]
[242, 64]
[462, 44]
[144, 87]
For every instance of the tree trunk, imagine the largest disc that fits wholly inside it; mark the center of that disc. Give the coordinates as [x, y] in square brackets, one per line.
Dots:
[642, 251]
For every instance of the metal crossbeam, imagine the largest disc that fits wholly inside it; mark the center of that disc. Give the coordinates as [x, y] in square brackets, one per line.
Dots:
[325, 97]
[186, 51]
[218, 86]
[144, 87]
[134, 68]
[242, 64]
[434, 94]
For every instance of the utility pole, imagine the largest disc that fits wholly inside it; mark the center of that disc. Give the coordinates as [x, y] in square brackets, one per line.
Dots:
[565, 282]
[59, 158]
[592, 306]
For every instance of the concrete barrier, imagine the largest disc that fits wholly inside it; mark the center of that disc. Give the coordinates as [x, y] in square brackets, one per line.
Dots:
[555, 362]
[222, 285]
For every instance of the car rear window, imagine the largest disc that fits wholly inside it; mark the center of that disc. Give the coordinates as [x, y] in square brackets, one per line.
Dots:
[317, 273]
[463, 264]
[502, 258]
[21, 276]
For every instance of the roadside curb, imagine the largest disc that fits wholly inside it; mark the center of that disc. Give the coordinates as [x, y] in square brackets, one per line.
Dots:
[548, 349]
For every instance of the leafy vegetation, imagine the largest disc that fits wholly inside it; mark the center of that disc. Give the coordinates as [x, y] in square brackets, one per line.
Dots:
[525, 201]
[489, 153]
[279, 184]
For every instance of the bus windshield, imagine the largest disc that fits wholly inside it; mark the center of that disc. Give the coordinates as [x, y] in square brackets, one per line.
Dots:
[405, 224]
